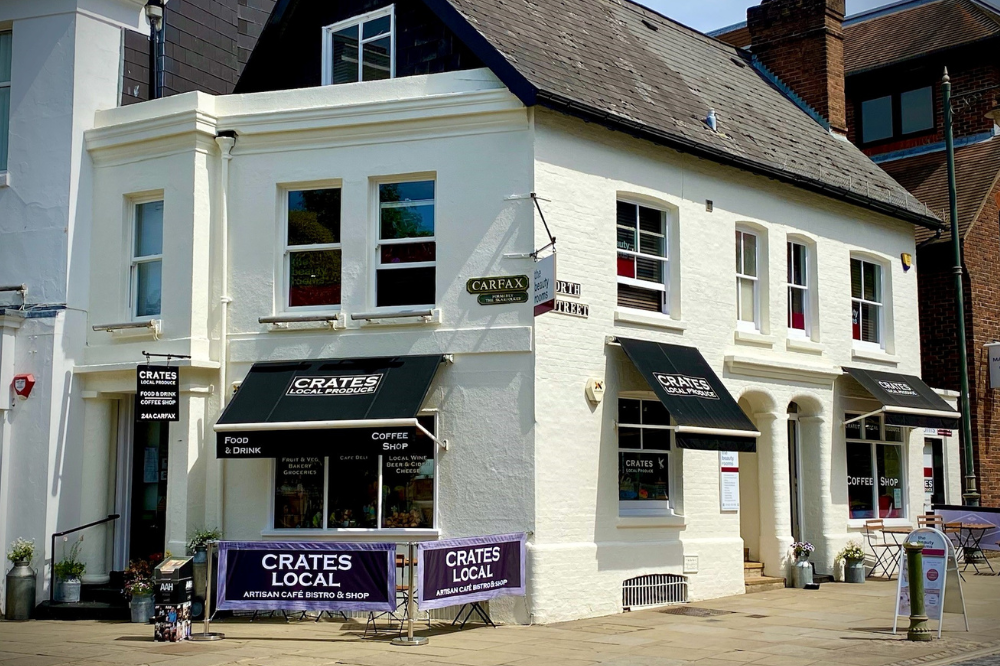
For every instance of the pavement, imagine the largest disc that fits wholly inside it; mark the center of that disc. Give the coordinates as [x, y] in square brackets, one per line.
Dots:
[847, 625]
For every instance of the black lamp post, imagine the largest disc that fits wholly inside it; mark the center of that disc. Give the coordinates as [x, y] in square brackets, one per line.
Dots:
[971, 494]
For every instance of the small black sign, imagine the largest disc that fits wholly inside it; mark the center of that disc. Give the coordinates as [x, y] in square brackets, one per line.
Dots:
[157, 394]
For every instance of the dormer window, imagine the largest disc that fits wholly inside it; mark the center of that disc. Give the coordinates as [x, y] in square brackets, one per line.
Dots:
[360, 48]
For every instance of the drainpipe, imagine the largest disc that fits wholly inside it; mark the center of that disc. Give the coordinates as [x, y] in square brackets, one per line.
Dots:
[226, 141]
[154, 12]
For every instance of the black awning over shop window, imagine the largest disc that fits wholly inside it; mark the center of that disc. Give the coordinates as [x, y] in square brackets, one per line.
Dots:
[906, 400]
[706, 416]
[319, 407]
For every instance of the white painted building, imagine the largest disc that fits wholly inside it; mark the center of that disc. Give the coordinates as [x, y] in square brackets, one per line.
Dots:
[305, 227]
[60, 62]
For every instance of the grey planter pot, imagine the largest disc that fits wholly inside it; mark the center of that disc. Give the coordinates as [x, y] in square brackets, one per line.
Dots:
[142, 608]
[854, 571]
[20, 592]
[67, 591]
[802, 573]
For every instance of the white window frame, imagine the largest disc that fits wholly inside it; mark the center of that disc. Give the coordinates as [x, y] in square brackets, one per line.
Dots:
[647, 508]
[360, 20]
[864, 344]
[6, 130]
[742, 325]
[134, 261]
[310, 533]
[902, 445]
[288, 250]
[377, 264]
[804, 288]
[663, 287]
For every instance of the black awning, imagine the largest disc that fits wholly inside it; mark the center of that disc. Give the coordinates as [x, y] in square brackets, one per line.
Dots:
[906, 400]
[319, 406]
[705, 414]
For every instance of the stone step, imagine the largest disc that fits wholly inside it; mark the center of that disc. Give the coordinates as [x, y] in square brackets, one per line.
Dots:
[763, 584]
[84, 610]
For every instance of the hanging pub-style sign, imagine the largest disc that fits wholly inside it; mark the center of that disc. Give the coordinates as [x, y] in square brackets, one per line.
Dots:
[157, 394]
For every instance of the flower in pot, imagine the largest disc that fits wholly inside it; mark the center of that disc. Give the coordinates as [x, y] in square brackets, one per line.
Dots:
[68, 574]
[20, 580]
[802, 550]
[198, 545]
[21, 552]
[853, 556]
[140, 596]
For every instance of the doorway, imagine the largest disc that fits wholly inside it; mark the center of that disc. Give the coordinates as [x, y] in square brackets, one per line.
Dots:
[141, 489]
[794, 471]
[933, 473]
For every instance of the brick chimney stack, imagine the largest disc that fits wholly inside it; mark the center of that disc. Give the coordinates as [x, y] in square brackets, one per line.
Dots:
[802, 43]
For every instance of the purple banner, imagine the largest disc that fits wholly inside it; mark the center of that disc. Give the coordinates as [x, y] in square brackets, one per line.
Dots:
[461, 571]
[307, 576]
[974, 515]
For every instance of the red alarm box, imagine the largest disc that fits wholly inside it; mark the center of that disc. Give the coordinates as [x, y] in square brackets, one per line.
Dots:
[23, 385]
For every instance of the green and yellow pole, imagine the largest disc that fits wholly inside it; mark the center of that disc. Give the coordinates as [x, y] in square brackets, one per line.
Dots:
[918, 631]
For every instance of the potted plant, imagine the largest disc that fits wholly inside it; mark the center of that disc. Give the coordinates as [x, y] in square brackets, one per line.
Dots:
[802, 573]
[853, 556]
[140, 599]
[198, 545]
[68, 574]
[20, 580]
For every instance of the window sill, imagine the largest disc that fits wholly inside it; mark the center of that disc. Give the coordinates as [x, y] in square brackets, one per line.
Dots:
[398, 318]
[4, 178]
[143, 329]
[352, 534]
[630, 316]
[643, 522]
[888, 522]
[875, 356]
[803, 345]
[753, 338]
[330, 321]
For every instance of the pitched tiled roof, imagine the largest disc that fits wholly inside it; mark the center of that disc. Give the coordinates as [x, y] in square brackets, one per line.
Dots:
[915, 30]
[976, 171]
[621, 64]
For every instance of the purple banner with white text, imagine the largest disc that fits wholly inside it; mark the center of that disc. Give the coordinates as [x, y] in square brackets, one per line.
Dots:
[307, 576]
[461, 571]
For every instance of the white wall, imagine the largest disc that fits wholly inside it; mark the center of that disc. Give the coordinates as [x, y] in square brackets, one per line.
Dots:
[65, 67]
[583, 550]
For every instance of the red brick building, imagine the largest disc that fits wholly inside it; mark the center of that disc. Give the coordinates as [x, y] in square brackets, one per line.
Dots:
[885, 66]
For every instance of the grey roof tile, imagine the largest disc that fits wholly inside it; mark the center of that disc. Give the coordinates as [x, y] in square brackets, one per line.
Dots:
[633, 67]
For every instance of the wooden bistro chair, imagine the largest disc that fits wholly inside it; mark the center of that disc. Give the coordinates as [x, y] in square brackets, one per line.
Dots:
[886, 553]
[931, 520]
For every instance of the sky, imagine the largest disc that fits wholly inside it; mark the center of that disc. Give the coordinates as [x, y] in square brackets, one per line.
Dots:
[707, 15]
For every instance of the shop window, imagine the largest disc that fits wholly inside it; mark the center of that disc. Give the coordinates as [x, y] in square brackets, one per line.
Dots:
[644, 437]
[866, 302]
[360, 49]
[643, 257]
[147, 259]
[897, 115]
[406, 271]
[5, 53]
[357, 491]
[747, 281]
[312, 259]
[798, 289]
[876, 482]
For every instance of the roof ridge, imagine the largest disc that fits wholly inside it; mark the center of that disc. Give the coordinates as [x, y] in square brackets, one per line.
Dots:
[704, 36]
[886, 10]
